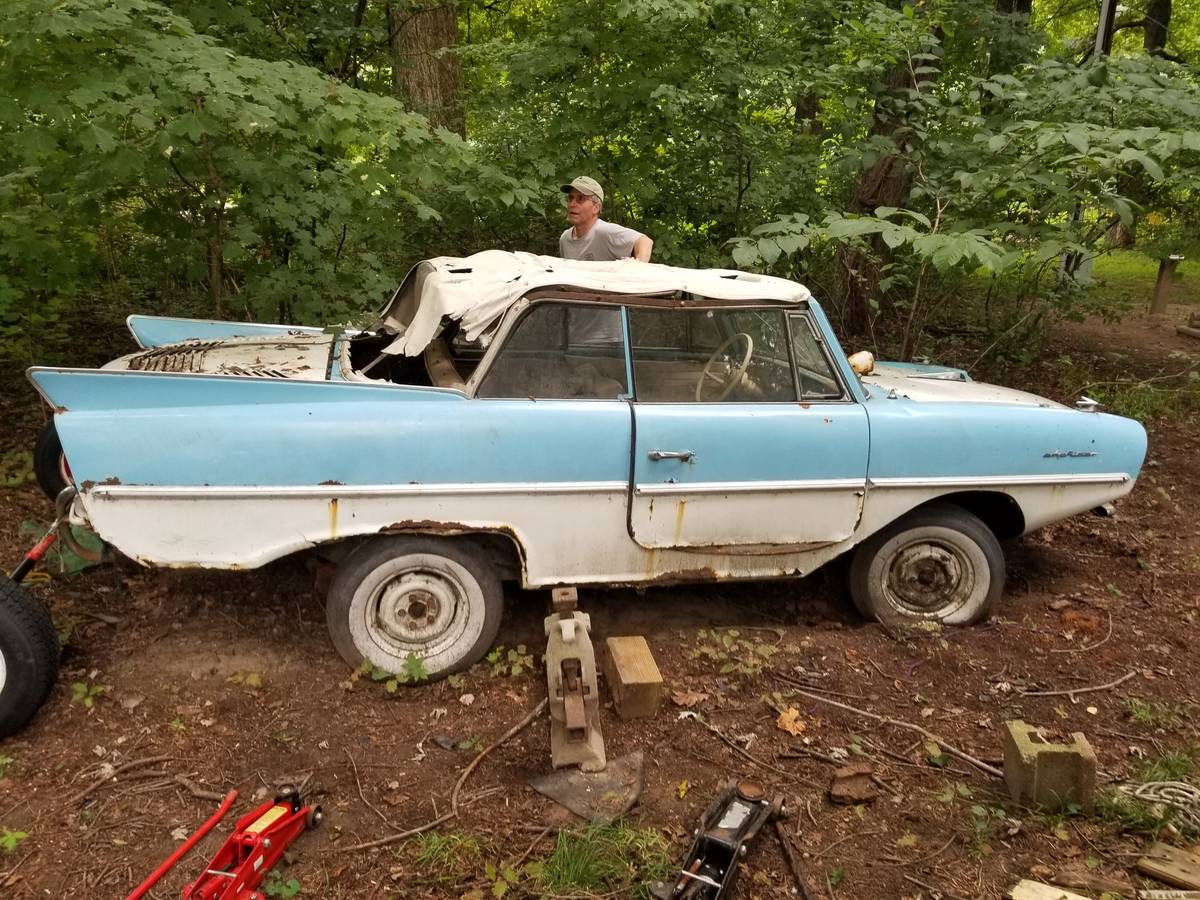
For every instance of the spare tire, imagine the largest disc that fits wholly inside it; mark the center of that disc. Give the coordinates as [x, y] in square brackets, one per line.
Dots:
[28, 656]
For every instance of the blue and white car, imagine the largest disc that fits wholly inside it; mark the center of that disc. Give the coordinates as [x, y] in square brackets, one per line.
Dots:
[512, 417]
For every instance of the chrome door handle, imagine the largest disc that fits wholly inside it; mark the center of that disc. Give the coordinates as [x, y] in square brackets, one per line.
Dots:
[684, 455]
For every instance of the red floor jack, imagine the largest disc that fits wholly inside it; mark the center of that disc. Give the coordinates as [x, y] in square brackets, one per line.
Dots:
[257, 843]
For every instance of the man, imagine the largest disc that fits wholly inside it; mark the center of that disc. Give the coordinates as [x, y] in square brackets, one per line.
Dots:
[589, 236]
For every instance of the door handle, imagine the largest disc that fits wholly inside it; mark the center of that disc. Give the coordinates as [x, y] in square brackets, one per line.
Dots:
[683, 455]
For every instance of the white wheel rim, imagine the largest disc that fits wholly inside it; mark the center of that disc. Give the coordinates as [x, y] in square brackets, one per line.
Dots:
[419, 604]
[932, 577]
[3, 672]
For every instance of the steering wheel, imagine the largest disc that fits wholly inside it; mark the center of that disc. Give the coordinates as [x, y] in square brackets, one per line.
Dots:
[733, 376]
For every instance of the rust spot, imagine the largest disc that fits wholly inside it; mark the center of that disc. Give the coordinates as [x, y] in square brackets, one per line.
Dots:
[60, 409]
[680, 508]
[332, 482]
[333, 514]
[87, 485]
[704, 573]
[427, 525]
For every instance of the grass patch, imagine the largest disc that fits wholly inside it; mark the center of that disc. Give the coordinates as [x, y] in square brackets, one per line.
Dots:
[1153, 714]
[1130, 814]
[451, 851]
[613, 859]
[1176, 765]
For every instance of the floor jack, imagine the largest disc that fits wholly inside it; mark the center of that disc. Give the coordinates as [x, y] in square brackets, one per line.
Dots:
[575, 738]
[727, 827]
[258, 841]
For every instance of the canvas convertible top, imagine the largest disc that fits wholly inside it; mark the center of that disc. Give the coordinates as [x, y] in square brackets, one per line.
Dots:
[477, 290]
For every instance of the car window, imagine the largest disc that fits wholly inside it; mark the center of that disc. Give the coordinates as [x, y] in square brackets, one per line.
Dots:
[561, 351]
[710, 355]
[814, 370]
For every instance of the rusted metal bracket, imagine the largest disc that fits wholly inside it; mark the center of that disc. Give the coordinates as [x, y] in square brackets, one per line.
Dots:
[575, 738]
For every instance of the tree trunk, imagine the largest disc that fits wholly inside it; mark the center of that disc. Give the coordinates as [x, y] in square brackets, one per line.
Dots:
[1154, 31]
[1162, 287]
[425, 68]
[886, 183]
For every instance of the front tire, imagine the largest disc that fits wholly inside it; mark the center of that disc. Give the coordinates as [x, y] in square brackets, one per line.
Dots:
[28, 656]
[398, 596]
[939, 563]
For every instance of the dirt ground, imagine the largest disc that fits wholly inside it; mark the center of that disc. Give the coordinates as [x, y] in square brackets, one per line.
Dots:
[229, 680]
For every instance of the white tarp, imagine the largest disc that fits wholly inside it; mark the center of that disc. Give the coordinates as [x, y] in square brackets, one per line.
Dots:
[479, 289]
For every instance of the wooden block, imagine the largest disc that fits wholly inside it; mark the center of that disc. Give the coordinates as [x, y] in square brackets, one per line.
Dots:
[633, 677]
[1171, 865]
[1035, 890]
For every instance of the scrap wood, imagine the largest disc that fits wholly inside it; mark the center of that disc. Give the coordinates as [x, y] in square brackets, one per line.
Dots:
[1083, 690]
[1171, 865]
[1079, 877]
[1036, 890]
[948, 748]
[790, 855]
[1168, 895]
[109, 776]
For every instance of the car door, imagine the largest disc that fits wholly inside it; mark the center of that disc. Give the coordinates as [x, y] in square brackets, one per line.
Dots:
[745, 436]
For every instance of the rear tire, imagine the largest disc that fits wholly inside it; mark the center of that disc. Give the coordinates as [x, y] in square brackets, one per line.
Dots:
[939, 563]
[49, 464]
[28, 656]
[398, 596]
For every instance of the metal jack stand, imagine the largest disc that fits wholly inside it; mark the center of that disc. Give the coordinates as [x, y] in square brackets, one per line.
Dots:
[575, 737]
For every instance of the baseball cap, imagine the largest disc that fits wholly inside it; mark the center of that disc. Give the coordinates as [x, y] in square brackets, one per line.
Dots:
[583, 184]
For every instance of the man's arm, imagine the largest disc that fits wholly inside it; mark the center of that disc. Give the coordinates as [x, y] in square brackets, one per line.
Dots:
[642, 247]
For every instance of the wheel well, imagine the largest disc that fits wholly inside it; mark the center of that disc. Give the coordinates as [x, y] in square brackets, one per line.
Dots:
[999, 512]
[503, 549]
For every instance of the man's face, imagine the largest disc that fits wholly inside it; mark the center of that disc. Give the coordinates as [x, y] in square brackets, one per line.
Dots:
[581, 209]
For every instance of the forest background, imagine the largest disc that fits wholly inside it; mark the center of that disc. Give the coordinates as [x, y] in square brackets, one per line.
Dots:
[922, 166]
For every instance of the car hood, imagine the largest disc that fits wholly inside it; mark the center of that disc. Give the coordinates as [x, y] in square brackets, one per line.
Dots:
[303, 357]
[934, 384]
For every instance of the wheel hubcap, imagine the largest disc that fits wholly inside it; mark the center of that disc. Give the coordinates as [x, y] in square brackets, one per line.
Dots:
[416, 607]
[928, 578]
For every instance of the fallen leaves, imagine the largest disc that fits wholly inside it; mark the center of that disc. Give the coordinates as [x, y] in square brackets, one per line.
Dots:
[789, 720]
[688, 699]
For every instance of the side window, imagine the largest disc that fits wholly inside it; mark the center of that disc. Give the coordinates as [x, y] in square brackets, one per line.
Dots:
[711, 356]
[560, 351]
[813, 368]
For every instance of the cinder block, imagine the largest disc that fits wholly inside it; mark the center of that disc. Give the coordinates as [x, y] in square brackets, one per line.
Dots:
[633, 677]
[1045, 774]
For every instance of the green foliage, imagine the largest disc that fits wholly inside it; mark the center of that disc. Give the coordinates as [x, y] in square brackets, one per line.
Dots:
[412, 671]
[1177, 765]
[734, 654]
[5, 762]
[512, 661]
[275, 886]
[144, 155]
[444, 852]
[617, 859]
[86, 693]
[1130, 814]
[1155, 714]
[10, 840]
[59, 558]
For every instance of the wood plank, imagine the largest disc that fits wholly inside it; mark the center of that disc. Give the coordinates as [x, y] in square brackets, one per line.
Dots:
[1188, 330]
[634, 681]
[1171, 865]
[1035, 890]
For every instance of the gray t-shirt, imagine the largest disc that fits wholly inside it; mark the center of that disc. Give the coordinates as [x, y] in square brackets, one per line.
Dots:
[603, 242]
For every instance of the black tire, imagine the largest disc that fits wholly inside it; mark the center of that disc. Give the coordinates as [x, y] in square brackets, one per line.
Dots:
[939, 563]
[400, 595]
[49, 464]
[28, 656]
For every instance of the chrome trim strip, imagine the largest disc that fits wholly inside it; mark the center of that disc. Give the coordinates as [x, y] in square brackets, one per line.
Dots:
[749, 487]
[1000, 480]
[351, 492]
